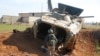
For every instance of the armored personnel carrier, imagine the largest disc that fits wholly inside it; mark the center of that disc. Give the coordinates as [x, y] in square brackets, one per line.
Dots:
[64, 20]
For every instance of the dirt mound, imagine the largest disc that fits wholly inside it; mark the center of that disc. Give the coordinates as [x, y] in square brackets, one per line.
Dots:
[19, 44]
[22, 44]
[85, 44]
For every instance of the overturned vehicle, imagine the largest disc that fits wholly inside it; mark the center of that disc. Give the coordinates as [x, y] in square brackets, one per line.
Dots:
[65, 22]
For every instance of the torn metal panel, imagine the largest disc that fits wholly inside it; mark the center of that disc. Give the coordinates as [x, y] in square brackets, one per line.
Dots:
[49, 5]
[70, 9]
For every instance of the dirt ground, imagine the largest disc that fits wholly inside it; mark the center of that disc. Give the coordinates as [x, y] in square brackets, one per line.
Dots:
[23, 44]
[85, 44]
[19, 44]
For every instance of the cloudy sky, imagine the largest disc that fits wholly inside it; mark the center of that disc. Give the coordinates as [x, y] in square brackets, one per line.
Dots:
[13, 7]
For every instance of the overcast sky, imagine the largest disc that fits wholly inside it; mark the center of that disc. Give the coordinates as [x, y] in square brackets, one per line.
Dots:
[13, 7]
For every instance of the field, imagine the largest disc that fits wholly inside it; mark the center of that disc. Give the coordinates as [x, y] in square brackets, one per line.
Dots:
[92, 26]
[9, 28]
